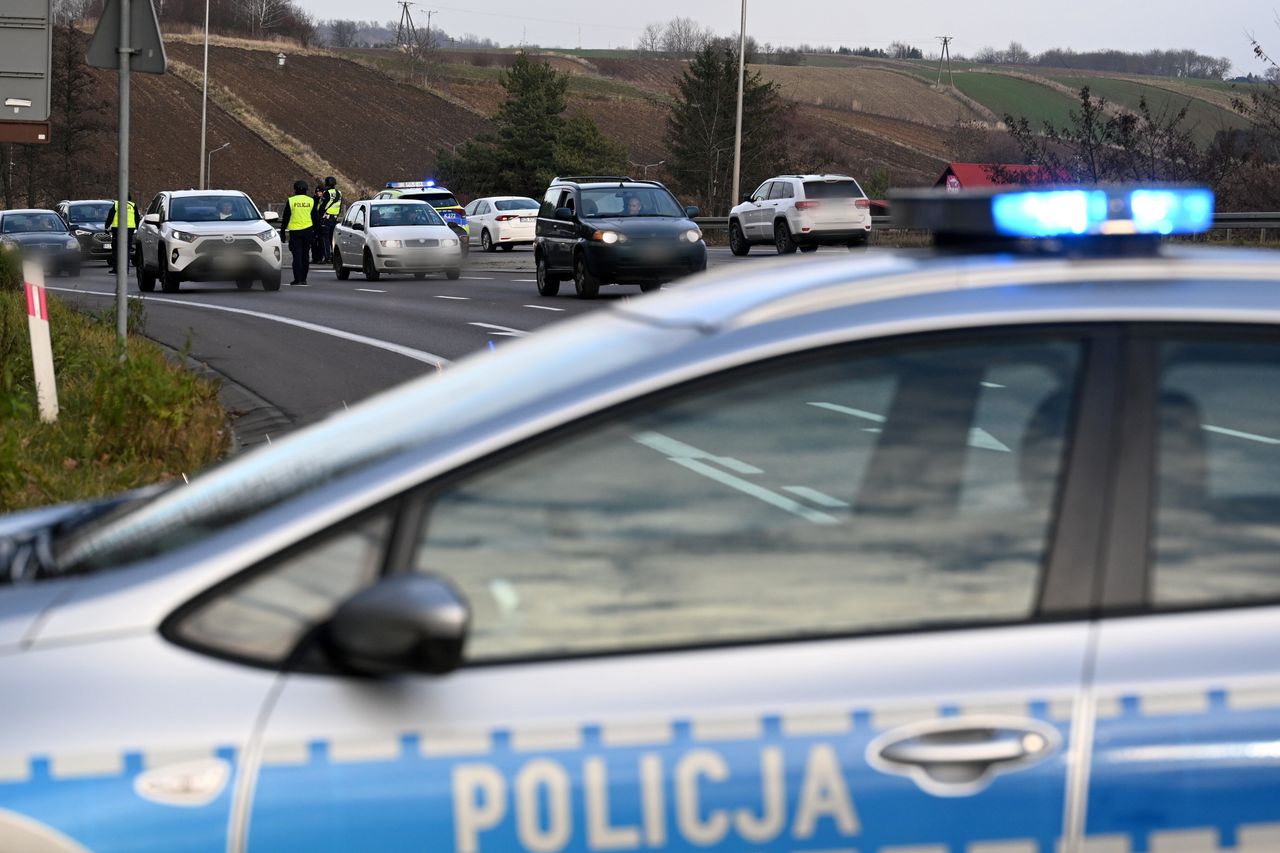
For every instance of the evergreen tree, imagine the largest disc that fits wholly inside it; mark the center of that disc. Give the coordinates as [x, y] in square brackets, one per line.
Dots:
[532, 142]
[700, 130]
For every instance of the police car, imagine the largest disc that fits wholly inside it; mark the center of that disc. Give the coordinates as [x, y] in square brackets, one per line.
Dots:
[972, 551]
[445, 203]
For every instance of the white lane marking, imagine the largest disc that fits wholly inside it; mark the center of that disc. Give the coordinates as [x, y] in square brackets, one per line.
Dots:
[992, 385]
[507, 331]
[845, 410]
[820, 498]
[978, 437]
[525, 280]
[369, 290]
[544, 307]
[477, 278]
[408, 352]
[758, 492]
[1235, 433]
[460, 298]
[668, 446]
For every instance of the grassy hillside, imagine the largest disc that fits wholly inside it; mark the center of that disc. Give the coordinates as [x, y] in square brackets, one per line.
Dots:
[1003, 94]
[1205, 117]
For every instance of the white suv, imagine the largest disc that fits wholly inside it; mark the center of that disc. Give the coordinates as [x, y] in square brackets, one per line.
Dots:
[801, 212]
[206, 235]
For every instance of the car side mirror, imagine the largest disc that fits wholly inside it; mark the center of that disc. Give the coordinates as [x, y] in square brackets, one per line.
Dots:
[271, 216]
[564, 213]
[153, 218]
[692, 211]
[357, 226]
[747, 198]
[403, 623]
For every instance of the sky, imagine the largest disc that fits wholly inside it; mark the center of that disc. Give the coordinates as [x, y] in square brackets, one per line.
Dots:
[1218, 28]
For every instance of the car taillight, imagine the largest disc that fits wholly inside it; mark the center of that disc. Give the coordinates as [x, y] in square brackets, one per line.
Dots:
[506, 217]
[862, 203]
[805, 205]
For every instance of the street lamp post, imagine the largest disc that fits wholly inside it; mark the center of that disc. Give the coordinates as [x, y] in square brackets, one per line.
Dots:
[737, 133]
[648, 166]
[204, 99]
[209, 170]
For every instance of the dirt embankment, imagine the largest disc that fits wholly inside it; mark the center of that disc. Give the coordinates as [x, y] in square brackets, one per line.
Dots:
[868, 90]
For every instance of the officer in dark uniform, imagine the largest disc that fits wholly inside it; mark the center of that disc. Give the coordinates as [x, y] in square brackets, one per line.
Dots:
[131, 222]
[318, 249]
[329, 220]
[298, 230]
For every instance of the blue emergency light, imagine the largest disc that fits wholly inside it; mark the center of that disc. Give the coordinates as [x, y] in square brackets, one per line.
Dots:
[405, 185]
[1054, 213]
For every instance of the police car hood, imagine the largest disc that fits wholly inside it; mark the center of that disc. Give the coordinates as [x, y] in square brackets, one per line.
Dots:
[230, 226]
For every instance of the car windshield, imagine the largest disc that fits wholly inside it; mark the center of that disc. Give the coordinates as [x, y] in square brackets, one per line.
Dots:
[212, 208]
[434, 199]
[832, 189]
[89, 211]
[516, 204]
[629, 201]
[21, 223]
[383, 215]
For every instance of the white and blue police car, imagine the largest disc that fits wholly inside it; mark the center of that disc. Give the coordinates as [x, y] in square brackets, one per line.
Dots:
[970, 551]
[444, 201]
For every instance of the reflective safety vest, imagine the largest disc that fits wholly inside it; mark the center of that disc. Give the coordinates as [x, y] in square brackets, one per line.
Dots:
[300, 207]
[131, 214]
[335, 202]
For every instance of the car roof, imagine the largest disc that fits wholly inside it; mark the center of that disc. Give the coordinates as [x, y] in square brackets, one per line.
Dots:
[29, 210]
[185, 193]
[823, 177]
[89, 201]
[397, 201]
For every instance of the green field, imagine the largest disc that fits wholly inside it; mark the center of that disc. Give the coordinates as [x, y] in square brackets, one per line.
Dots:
[1203, 118]
[1002, 94]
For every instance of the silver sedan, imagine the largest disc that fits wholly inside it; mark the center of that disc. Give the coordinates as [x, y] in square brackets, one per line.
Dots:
[390, 236]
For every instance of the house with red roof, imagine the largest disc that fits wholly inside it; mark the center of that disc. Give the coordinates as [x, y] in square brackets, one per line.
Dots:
[967, 176]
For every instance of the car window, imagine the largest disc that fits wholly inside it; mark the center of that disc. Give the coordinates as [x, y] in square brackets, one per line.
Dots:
[359, 220]
[762, 192]
[89, 212]
[628, 201]
[1217, 504]
[781, 190]
[386, 215]
[263, 616]
[515, 204]
[36, 221]
[832, 189]
[824, 495]
[213, 208]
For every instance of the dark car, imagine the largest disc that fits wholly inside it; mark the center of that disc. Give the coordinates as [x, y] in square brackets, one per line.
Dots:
[614, 230]
[85, 218]
[40, 235]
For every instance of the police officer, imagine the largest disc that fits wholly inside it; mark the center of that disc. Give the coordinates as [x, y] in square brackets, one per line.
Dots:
[317, 213]
[131, 223]
[298, 231]
[332, 210]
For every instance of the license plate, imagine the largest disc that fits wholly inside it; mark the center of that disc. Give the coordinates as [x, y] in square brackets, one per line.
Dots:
[107, 246]
[226, 260]
[527, 218]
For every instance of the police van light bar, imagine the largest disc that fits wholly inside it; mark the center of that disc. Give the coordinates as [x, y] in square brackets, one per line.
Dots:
[405, 185]
[1055, 212]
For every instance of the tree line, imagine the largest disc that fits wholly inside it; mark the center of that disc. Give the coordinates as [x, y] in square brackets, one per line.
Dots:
[1158, 63]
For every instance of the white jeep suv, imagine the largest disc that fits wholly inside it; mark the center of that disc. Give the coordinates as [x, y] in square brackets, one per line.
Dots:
[801, 212]
[206, 235]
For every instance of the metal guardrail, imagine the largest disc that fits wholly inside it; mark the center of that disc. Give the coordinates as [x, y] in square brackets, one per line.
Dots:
[1246, 220]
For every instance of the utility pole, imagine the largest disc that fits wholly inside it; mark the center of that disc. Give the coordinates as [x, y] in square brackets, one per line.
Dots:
[406, 35]
[737, 132]
[427, 44]
[204, 97]
[945, 55]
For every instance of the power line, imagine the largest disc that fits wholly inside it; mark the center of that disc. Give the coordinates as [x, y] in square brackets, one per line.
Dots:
[946, 54]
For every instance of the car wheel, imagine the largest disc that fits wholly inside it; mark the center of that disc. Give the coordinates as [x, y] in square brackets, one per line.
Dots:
[271, 281]
[486, 242]
[858, 243]
[73, 271]
[738, 243]
[453, 275]
[548, 284]
[370, 269]
[782, 238]
[146, 278]
[808, 249]
[169, 281]
[650, 286]
[244, 283]
[586, 284]
[338, 269]
[507, 247]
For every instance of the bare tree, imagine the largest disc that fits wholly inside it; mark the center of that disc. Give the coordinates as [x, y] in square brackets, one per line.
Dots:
[342, 33]
[684, 37]
[650, 41]
[262, 16]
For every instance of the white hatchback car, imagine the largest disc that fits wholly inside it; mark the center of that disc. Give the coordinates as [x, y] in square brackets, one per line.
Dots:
[503, 220]
[206, 235]
[801, 212]
[395, 236]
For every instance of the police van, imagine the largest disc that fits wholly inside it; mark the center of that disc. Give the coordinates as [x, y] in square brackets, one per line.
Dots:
[964, 551]
[445, 203]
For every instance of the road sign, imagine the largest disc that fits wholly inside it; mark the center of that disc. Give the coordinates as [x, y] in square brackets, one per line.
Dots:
[24, 132]
[26, 48]
[146, 46]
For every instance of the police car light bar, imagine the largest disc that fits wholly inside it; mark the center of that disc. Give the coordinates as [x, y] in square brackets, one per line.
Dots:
[1056, 212]
[405, 185]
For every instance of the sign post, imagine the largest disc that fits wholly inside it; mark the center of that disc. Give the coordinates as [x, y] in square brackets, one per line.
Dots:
[26, 55]
[127, 38]
[41, 347]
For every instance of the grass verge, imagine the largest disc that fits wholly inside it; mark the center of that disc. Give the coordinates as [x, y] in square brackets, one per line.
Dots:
[120, 425]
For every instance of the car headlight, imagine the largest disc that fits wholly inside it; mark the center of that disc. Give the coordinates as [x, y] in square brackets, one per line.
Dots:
[390, 244]
[80, 232]
[449, 242]
[8, 245]
[693, 235]
[265, 236]
[73, 243]
[184, 236]
[609, 237]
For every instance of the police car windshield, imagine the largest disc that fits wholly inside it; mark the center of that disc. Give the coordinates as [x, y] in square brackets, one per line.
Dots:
[89, 212]
[435, 199]
[384, 215]
[21, 223]
[628, 201]
[516, 204]
[212, 208]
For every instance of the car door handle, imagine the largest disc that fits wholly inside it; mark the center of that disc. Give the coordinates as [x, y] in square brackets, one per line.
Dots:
[960, 756]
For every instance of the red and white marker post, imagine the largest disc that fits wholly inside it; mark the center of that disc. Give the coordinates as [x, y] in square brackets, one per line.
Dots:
[41, 347]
